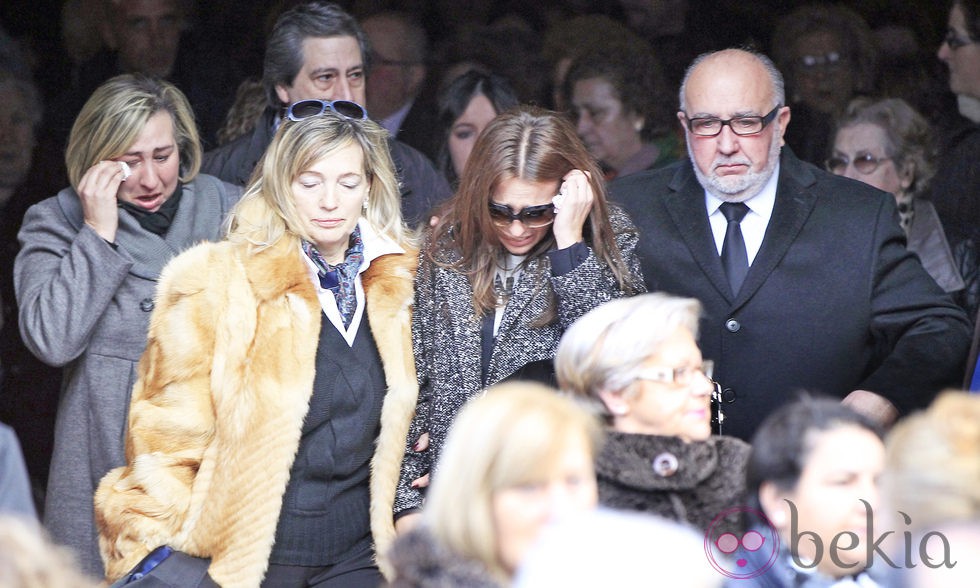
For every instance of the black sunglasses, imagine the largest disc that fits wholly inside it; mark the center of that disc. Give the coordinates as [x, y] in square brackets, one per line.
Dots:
[532, 217]
[298, 111]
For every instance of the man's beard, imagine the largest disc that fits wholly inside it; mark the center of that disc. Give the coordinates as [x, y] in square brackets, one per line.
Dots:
[741, 187]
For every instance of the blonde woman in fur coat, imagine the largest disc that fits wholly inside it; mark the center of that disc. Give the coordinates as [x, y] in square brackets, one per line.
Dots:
[274, 397]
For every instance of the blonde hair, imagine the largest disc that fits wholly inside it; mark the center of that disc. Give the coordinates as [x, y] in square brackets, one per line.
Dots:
[114, 116]
[933, 461]
[267, 212]
[508, 436]
[605, 348]
[29, 560]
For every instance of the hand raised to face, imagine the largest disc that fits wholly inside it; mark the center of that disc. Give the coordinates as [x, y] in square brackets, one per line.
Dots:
[573, 205]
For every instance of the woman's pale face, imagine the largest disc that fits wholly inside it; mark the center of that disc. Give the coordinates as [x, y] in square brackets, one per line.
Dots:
[154, 160]
[842, 469]
[864, 139]
[520, 512]
[518, 194]
[963, 62]
[17, 132]
[611, 134]
[665, 408]
[467, 128]
[329, 198]
[823, 84]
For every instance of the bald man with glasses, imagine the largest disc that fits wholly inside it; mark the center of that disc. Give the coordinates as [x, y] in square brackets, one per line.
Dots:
[804, 276]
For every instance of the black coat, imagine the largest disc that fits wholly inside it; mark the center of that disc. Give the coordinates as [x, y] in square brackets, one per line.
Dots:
[832, 303]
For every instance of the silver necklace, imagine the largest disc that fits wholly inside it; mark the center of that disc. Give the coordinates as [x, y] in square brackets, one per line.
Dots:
[505, 278]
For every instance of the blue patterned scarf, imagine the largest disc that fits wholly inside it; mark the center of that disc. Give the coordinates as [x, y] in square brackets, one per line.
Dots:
[339, 279]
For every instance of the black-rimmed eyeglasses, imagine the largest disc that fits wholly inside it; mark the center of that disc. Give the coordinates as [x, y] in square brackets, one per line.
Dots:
[710, 126]
[303, 109]
[533, 217]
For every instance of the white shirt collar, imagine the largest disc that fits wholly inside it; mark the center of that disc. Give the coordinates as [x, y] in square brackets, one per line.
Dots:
[755, 222]
[375, 245]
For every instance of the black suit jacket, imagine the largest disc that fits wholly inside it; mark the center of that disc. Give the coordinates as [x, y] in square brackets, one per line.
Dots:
[832, 303]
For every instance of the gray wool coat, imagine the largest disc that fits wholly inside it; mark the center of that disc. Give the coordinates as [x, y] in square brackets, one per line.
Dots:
[447, 337]
[86, 305]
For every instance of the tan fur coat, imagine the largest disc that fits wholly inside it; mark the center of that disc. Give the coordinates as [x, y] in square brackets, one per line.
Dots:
[217, 411]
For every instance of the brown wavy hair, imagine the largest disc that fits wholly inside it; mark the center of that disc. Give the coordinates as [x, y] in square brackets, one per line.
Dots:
[534, 145]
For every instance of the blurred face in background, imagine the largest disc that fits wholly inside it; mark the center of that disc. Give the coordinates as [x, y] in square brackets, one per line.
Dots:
[395, 78]
[609, 131]
[842, 468]
[467, 128]
[961, 54]
[146, 33]
[17, 138]
[521, 511]
[822, 72]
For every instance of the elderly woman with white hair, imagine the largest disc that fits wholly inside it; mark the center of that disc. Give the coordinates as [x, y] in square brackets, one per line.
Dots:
[637, 358]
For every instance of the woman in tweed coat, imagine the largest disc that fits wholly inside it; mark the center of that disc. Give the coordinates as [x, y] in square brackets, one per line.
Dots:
[506, 269]
[88, 267]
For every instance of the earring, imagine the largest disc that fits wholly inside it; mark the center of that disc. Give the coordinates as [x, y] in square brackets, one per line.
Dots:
[364, 204]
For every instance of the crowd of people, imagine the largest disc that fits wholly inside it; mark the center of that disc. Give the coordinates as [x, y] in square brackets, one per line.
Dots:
[371, 302]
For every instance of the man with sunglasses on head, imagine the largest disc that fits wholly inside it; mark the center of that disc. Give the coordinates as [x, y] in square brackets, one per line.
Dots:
[318, 51]
[804, 276]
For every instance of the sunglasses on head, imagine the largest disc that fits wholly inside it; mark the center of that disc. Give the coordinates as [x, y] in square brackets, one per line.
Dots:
[532, 217]
[304, 109]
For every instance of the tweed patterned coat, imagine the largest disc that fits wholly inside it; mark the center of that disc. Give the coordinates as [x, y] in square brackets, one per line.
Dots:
[221, 396]
[447, 338]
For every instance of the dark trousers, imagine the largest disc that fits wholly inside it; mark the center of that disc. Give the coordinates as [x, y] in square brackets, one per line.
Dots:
[357, 571]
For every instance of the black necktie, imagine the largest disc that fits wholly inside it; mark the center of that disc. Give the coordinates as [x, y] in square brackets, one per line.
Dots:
[734, 258]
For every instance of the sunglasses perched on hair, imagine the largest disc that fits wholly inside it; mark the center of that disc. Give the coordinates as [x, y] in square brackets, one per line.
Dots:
[303, 109]
[532, 217]
[865, 163]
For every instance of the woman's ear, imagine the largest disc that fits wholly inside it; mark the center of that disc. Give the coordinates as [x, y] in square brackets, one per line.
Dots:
[774, 505]
[907, 175]
[616, 402]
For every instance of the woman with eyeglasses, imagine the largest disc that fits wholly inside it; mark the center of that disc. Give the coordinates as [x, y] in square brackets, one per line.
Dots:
[271, 406]
[828, 56]
[88, 267]
[528, 244]
[637, 360]
[888, 145]
[956, 184]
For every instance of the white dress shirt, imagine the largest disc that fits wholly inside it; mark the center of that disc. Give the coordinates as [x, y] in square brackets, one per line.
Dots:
[375, 245]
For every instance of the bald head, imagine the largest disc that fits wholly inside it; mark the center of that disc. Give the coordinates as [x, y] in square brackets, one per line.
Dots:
[738, 67]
